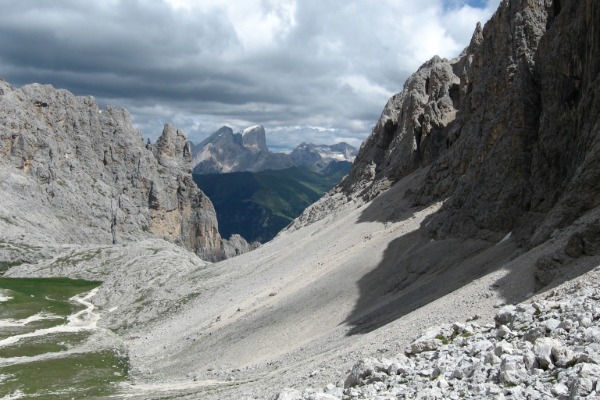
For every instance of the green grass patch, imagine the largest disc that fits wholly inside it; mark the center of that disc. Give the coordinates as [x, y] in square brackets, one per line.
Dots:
[86, 375]
[35, 346]
[36, 295]
[51, 374]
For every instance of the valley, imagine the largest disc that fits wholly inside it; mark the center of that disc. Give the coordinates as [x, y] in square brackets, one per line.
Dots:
[258, 205]
[458, 258]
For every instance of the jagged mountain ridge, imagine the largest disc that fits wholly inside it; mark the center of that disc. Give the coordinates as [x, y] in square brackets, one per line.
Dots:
[81, 175]
[362, 275]
[225, 151]
[507, 129]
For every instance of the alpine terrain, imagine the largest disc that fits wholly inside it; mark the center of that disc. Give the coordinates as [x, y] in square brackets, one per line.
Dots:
[256, 193]
[459, 258]
[258, 205]
[225, 151]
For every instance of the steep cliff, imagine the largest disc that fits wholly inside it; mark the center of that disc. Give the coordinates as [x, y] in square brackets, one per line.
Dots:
[508, 131]
[72, 173]
[225, 151]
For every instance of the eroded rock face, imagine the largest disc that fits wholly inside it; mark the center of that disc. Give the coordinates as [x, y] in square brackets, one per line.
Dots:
[411, 131]
[225, 151]
[509, 129]
[91, 178]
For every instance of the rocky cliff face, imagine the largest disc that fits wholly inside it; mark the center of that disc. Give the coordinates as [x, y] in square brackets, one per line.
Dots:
[74, 174]
[225, 151]
[508, 131]
[322, 157]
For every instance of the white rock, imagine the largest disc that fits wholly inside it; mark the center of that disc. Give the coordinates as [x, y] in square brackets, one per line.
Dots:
[560, 389]
[543, 351]
[503, 331]
[289, 394]
[551, 324]
[503, 348]
[512, 370]
[506, 315]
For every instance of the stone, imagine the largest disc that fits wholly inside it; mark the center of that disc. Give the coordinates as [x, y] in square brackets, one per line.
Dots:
[560, 389]
[505, 315]
[503, 331]
[322, 396]
[551, 324]
[586, 382]
[562, 356]
[289, 394]
[503, 348]
[512, 370]
[431, 339]
[360, 371]
[533, 334]
[543, 351]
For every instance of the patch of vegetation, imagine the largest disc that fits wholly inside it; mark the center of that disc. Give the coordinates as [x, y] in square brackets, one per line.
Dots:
[42, 295]
[6, 265]
[443, 339]
[64, 376]
[77, 376]
[259, 205]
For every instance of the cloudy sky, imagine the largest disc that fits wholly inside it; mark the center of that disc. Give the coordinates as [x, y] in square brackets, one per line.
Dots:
[318, 71]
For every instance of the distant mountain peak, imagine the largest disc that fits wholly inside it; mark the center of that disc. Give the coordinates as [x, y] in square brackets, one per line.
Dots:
[225, 151]
[254, 138]
[251, 129]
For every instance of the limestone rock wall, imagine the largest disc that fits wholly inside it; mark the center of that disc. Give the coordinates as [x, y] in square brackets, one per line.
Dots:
[509, 130]
[91, 177]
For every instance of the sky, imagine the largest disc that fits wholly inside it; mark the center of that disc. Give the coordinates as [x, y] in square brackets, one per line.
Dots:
[316, 71]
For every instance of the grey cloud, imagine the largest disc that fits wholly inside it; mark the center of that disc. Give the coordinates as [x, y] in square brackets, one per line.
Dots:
[190, 67]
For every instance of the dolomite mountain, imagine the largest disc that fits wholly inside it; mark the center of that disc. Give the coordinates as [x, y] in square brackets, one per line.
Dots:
[225, 151]
[508, 132]
[74, 174]
[478, 189]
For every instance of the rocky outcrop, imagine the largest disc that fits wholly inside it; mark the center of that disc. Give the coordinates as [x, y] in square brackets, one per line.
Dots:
[508, 130]
[323, 158]
[411, 132]
[72, 173]
[225, 151]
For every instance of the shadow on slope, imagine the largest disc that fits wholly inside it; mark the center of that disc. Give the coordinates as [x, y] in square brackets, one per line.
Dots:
[415, 269]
